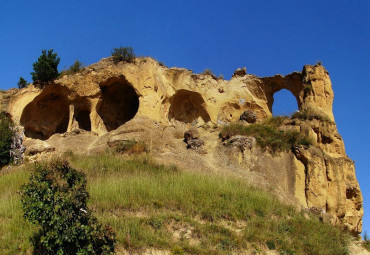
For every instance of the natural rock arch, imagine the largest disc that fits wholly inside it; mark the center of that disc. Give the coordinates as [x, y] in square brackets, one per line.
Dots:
[47, 114]
[284, 103]
[187, 106]
[291, 82]
[119, 103]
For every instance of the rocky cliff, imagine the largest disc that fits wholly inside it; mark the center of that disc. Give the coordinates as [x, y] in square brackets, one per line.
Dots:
[107, 103]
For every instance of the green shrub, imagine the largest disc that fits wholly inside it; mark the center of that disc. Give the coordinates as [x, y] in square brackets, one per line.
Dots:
[123, 54]
[267, 134]
[6, 138]
[22, 83]
[46, 67]
[55, 199]
[271, 245]
[75, 68]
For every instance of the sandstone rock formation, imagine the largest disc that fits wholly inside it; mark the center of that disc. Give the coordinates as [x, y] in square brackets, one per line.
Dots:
[144, 100]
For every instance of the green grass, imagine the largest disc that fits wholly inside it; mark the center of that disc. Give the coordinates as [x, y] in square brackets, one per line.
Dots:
[268, 135]
[14, 231]
[147, 204]
[310, 115]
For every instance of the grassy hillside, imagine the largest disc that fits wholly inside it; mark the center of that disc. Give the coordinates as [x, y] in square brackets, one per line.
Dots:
[162, 207]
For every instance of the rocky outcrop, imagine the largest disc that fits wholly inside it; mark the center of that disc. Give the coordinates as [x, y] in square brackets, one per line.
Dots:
[192, 139]
[248, 116]
[240, 72]
[106, 95]
[146, 101]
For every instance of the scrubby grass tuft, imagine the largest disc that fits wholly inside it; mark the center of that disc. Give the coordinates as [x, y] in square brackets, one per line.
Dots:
[310, 115]
[156, 206]
[366, 242]
[268, 135]
[73, 69]
[210, 73]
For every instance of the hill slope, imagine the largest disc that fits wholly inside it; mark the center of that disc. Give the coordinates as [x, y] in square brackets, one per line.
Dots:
[161, 208]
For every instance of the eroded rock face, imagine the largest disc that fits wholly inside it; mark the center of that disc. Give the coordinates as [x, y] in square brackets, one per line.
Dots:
[119, 103]
[146, 101]
[47, 114]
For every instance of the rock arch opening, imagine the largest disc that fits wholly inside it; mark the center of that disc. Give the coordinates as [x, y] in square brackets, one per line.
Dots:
[82, 108]
[187, 106]
[47, 114]
[119, 103]
[284, 103]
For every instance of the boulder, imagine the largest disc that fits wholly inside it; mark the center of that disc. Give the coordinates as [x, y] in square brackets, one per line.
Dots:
[190, 135]
[248, 116]
[192, 140]
[194, 144]
[35, 146]
[241, 142]
[240, 72]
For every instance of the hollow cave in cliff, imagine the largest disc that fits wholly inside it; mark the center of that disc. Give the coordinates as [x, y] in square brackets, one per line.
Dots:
[83, 119]
[284, 103]
[187, 106]
[82, 110]
[119, 104]
[47, 114]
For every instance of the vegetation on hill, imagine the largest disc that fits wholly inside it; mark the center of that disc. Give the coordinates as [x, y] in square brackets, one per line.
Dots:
[162, 207]
[46, 67]
[268, 134]
[309, 114]
[6, 138]
[366, 243]
[73, 69]
[22, 83]
[55, 199]
[123, 54]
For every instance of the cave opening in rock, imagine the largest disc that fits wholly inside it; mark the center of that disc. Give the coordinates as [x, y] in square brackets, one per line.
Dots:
[284, 103]
[187, 106]
[83, 119]
[47, 114]
[119, 103]
[82, 108]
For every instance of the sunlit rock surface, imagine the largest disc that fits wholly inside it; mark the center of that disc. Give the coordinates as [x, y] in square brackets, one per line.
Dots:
[109, 102]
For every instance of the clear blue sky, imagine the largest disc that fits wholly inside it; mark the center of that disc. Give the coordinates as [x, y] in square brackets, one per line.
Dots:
[268, 37]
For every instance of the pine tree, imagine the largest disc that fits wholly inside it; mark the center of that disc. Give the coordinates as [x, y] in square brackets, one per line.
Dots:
[46, 67]
[22, 83]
